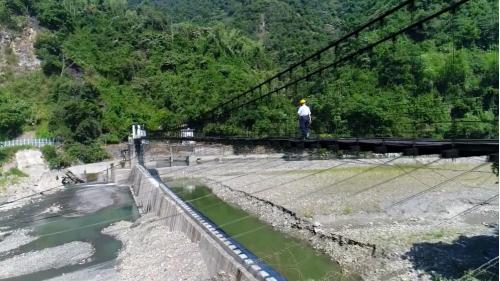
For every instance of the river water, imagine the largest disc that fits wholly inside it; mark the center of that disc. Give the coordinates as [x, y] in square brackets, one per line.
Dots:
[84, 211]
[295, 260]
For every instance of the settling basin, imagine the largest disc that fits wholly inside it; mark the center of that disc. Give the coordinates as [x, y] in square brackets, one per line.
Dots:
[291, 257]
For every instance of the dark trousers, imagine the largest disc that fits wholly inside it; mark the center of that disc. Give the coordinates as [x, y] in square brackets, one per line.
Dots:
[304, 123]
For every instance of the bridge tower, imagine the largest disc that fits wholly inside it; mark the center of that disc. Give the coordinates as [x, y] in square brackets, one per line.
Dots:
[138, 135]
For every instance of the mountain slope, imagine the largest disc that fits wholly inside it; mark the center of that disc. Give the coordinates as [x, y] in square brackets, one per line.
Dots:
[108, 64]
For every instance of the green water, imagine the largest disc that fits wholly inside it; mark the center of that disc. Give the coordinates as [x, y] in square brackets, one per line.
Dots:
[111, 204]
[292, 258]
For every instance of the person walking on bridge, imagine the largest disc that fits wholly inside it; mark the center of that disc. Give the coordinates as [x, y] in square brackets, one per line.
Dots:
[304, 118]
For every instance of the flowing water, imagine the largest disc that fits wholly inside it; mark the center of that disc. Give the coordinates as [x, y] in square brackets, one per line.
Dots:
[84, 211]
[292, 258]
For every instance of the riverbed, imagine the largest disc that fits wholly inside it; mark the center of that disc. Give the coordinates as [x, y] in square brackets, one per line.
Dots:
[374, 216]
[59, 235]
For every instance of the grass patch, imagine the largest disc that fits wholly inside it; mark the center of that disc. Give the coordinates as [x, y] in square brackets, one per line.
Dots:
[434, 234]
[347, 210]
[15, 172]
[7, 153]
[10, 177]
[4, 181]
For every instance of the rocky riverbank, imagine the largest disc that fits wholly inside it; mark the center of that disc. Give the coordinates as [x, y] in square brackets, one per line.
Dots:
[152, 252]
[374, 216]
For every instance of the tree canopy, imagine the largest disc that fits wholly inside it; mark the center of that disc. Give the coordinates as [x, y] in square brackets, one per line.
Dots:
[107, 64]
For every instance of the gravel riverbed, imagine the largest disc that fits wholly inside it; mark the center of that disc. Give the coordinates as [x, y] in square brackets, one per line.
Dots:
[377, 216]
[55, 257]
[152, 252]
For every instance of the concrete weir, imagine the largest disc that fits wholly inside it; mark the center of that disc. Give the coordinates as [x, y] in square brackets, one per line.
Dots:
[219, 251]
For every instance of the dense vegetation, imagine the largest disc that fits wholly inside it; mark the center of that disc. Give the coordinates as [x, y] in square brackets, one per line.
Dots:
[109, 63]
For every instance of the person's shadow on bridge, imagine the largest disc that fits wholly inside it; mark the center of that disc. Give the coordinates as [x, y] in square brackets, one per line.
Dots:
[472, 256]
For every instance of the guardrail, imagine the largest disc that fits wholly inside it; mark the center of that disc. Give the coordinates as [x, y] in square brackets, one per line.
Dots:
[31, 142]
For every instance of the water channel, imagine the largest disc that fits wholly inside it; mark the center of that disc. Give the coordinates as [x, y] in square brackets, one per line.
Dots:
[83, 212]
[294, 259]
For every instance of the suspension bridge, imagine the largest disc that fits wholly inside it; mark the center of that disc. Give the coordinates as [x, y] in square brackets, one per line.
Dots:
[302, 78]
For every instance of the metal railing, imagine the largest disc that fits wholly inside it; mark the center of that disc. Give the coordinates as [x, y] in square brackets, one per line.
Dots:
[29, 142]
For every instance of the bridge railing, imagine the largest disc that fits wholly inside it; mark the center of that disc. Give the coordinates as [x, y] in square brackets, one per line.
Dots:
[38, 142]
[462, 129]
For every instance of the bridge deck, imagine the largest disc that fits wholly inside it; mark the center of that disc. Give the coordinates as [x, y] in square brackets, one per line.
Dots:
[446, 148]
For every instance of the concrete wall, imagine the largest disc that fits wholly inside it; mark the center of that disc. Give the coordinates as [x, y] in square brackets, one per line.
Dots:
[219, 251]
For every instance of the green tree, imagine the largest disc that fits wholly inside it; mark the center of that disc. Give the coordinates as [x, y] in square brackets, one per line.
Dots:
[13, 116]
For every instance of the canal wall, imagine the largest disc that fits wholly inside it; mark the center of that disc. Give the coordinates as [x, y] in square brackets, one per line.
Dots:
[219, 251]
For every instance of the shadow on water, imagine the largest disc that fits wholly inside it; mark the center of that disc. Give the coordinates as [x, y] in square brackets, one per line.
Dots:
[85, 211]
[459, 258]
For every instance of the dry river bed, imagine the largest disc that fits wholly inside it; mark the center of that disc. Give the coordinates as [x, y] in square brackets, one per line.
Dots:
[397, 218]
[149, 251]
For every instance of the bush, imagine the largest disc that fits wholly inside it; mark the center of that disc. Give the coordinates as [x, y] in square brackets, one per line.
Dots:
[110, 138]
[55, 160]
[494, 168]
[42, 130]
[73, 152]
[90, 153]
[49, 152]
[13, 116]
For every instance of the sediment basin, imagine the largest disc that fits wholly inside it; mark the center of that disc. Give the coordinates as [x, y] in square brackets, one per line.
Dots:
[294, 259]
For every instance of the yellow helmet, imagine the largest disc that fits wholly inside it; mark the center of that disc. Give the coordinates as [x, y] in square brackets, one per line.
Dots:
[302, 101]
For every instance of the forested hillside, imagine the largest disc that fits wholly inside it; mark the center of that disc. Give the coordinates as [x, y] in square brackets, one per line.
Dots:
[106, 64]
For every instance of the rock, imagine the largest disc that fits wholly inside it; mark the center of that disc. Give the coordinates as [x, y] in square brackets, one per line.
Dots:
[317, 230]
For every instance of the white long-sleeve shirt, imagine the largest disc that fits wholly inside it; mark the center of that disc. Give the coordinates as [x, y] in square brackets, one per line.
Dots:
[304, 110]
